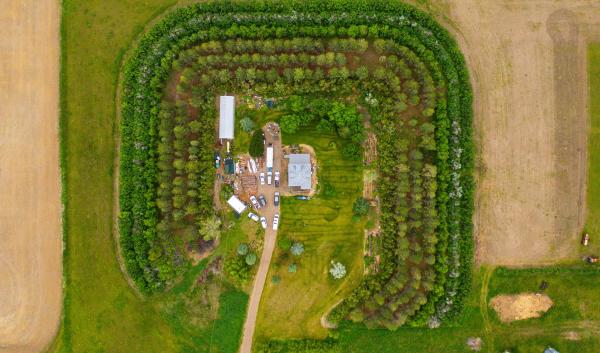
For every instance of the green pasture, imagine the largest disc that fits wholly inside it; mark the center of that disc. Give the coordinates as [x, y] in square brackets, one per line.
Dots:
[101, 313]
[592, 224]
[293, 308]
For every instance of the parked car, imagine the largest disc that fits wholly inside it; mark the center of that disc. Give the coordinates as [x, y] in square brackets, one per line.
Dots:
[263, 222]
[262, 178]
[276, 221]
[269, 178]
[254, 201]
[276, 198]
[276, 179]
[262, 200]
[253, 216]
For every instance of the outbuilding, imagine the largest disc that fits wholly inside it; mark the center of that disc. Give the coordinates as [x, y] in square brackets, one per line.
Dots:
[299, 171]
[237, 205]
[226, 117]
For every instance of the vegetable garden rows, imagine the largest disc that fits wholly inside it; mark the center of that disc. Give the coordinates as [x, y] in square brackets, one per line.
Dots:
[387, 57]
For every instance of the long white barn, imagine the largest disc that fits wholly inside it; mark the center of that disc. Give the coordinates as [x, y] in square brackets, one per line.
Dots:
[226, 117]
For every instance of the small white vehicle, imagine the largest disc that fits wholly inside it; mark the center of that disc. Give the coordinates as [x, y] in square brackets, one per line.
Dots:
[262, 178]
[253, 216]
[276, 179]
[276, 221]
[263, 222]
[269, 178]
[254, 201]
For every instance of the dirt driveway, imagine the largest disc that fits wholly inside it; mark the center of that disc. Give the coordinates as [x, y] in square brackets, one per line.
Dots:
[30, 228]
[528, 65]
[268, 212]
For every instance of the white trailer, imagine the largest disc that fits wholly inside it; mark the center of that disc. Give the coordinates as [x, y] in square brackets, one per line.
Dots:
[270, 158]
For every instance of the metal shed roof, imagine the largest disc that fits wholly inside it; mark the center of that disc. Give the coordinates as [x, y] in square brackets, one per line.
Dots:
[226, 117]
[299, 171]
[236, 204]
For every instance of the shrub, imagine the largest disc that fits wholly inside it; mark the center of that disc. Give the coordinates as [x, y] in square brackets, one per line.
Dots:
[337, 270]
[210, 228]
[247, 124]
[242, 249]
[297, 249]
[257, 144]
[284, 243]
[352, 152]
[292, 268]
[251, 259]
[360, 207]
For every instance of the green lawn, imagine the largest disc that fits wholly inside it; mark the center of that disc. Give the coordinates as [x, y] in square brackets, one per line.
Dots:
[593, 193]
[324, 224]
[101, 312]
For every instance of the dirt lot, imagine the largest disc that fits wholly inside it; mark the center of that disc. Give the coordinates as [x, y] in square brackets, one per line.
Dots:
[30, 230]
[520, 306]
[527, 60]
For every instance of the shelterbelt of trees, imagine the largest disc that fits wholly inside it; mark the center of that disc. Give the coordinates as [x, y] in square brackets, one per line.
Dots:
[385, 56]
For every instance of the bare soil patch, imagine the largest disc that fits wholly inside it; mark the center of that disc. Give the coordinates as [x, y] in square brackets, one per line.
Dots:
[520, 306]
[30, 224]
[527, 60]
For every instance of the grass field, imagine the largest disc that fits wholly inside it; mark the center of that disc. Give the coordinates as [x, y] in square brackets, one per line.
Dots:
[573, 290]
[324, 224]
[101, 312]
[593, 192]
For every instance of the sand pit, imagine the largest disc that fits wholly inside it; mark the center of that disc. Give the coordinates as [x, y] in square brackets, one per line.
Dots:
[30, 228]
[520, 306]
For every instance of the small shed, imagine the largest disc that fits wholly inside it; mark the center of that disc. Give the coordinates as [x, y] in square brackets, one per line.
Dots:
[551, 350]
[236, 204]
[299, 171]
[229, 165]
[226, 117]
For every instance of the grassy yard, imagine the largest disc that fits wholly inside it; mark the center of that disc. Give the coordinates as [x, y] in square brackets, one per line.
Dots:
[593, 193]
[324, 225]
[101, 312]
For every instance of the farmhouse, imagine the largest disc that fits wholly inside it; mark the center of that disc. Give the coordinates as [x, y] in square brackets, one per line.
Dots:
[226, 117]
[299, 171]
[236, 204]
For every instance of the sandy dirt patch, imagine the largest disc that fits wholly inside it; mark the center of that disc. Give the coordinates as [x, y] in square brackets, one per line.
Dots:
[30, 228]
[527, 60]
[520, 306]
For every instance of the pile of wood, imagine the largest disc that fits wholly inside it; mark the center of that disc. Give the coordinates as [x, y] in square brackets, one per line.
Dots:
[249, 183]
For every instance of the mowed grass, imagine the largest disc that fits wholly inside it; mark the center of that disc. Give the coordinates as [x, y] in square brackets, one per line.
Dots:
[293, 308]
[593, 192]
[101, 312]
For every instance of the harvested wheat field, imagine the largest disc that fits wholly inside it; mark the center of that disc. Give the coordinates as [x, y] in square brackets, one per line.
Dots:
[30, 254]
[520, 306]
[528, 65]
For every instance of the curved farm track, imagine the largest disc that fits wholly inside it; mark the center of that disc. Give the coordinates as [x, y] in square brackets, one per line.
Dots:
[30, 225]
[528, 65]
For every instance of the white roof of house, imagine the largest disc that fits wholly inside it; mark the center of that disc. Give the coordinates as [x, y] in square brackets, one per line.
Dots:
[236, 204]
[226, 117]
[299, 171]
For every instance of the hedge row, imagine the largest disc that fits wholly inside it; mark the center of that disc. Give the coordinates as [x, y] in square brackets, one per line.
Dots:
[151, 64]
